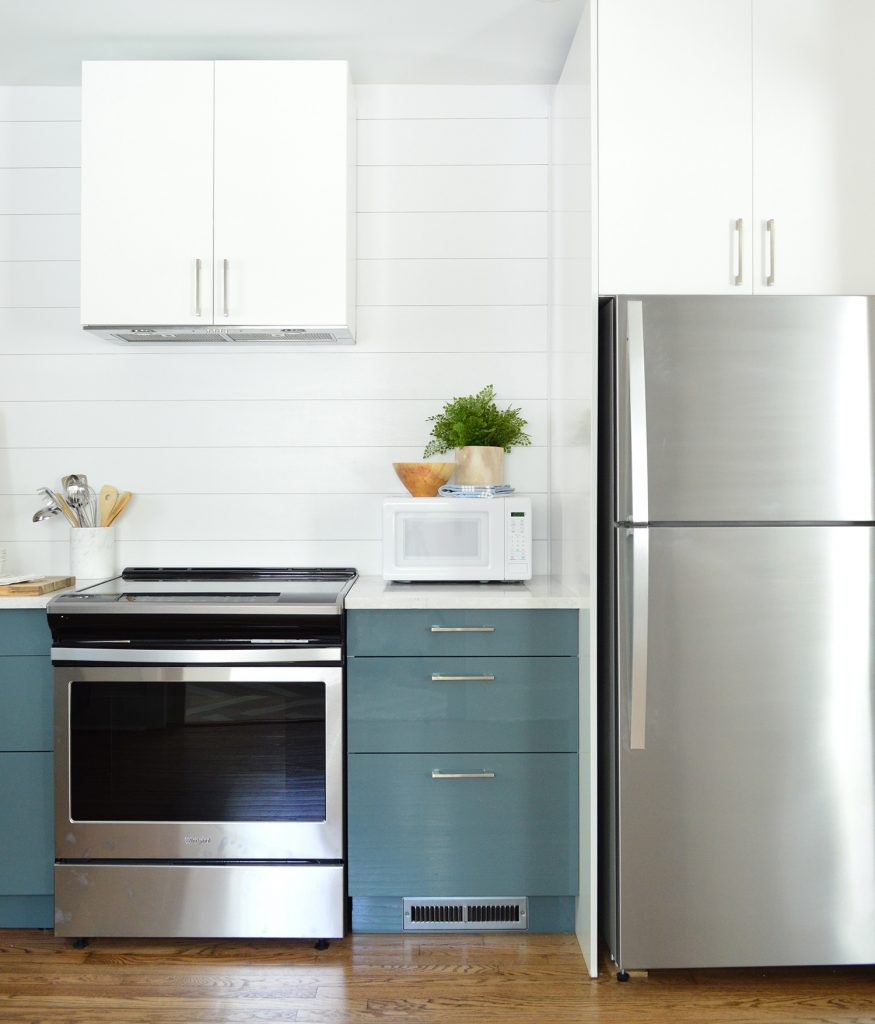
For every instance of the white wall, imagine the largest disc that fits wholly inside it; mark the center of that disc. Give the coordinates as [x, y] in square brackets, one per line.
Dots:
[574, 314]
[260, 457]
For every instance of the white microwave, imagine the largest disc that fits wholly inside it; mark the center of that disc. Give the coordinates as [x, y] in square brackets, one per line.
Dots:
[464, 539]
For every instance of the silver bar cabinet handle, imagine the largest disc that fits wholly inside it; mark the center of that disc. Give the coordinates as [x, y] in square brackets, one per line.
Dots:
[637, 411]
[435, 678]
[438, 774]
[770, 228]
[225, 287]
[463, 629]
[640, 610]
[739, 235]
[197, 287]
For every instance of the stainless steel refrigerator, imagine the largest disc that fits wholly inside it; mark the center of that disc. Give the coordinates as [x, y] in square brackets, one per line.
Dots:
[737, 509]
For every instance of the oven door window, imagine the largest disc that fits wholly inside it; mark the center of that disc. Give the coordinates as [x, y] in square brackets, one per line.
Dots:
[193, 751]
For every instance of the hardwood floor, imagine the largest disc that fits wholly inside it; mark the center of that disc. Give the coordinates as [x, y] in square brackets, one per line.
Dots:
[412, 979]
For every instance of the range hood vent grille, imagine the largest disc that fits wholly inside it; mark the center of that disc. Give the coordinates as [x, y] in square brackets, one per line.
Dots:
[469, 914]
[285, 336]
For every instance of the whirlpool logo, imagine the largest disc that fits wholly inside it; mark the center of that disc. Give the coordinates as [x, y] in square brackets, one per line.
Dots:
[197, 840]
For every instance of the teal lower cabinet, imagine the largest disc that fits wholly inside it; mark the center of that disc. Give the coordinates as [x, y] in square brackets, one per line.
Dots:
[26, 771]
[473, 825]
[462, 765]
[27, 848]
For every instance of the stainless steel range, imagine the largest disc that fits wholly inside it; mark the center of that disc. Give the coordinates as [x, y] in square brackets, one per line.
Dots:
[199, 754]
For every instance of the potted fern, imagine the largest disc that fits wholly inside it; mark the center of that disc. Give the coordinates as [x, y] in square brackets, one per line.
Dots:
[480, 433]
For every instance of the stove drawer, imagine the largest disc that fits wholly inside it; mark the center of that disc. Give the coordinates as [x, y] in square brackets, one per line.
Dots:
[464, 632]
[462, 704]
[419, 827]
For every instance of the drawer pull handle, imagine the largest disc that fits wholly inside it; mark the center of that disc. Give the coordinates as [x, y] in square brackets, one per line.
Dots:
[435, 678]
[438, 774]
[463, 629]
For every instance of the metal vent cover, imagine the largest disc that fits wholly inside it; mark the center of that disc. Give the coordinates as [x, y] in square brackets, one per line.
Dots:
[282, 336]
[465, 914]
[222, 336]
[152, 337]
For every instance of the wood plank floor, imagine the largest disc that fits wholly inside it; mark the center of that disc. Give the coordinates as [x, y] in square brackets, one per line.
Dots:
[412, 979]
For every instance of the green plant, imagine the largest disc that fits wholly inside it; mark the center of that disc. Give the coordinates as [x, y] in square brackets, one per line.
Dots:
[476, 419]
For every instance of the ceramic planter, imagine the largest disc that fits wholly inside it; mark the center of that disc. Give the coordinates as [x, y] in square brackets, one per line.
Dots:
[479, 464]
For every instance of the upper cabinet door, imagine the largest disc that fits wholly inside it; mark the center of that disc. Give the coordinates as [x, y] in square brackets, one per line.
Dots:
[284, 177]
[147, 203]
[674, 147]
[814, 146]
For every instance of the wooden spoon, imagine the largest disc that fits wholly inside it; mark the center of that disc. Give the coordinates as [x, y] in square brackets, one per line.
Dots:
[119, 507]
[65, 508]
[106, 502]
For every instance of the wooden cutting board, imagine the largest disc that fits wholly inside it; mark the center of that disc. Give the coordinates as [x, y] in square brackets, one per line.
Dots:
[37, 586]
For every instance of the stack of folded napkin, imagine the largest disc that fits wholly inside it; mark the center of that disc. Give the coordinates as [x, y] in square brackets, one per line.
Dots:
[474, 490]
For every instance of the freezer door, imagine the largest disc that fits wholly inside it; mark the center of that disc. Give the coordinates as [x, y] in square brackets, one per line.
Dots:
[747, 806]
[744, 409]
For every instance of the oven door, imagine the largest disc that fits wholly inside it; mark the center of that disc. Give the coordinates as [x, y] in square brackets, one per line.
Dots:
[199, 763]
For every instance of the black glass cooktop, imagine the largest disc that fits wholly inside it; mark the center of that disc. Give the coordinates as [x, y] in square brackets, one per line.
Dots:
[219, 586]
[196, 607]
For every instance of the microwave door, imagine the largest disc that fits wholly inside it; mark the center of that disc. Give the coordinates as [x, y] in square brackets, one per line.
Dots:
[444, 543]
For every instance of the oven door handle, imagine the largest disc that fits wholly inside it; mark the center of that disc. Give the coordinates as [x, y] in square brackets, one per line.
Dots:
[215, 656]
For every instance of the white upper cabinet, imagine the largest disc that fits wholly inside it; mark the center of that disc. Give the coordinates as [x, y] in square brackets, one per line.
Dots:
[147, 198]
[674, 98]
[736, 147]
[284, 193]
[814, 146]
[218, 193]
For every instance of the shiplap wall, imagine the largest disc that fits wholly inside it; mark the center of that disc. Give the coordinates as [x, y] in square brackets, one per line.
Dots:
[263, 457]
[573, 313]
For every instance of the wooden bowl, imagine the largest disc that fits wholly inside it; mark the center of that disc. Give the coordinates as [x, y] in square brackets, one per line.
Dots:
[422, 479]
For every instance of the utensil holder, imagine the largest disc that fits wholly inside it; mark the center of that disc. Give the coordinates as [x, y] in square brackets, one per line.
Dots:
[92, 552]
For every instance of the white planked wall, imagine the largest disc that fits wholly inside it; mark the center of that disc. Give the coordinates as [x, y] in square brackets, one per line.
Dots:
[268, 458]
[573, 315]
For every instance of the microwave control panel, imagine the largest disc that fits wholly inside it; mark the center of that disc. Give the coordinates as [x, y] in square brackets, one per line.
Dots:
[518, 539]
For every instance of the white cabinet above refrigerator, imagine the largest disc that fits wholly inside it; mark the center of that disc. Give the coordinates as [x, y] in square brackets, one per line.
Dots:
[218, 196]
[736, 150]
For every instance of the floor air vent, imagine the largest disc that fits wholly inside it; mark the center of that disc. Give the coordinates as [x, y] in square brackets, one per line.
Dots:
[472, 914]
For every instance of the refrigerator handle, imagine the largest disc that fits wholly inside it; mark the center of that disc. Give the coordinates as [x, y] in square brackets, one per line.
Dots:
[640, 610]
[637, 410]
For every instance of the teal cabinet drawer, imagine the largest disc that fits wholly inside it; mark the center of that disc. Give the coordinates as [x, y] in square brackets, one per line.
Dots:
[413, 835]
[24, 631]
[26, 824]
[25, 703]
[412, 633]
[424, 704]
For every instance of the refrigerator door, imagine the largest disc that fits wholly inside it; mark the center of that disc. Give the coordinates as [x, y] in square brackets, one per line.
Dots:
[745, 409]
[746, 829]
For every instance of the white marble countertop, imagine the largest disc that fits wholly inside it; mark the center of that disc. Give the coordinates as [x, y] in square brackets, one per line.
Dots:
[538, 592]
[375, 592]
